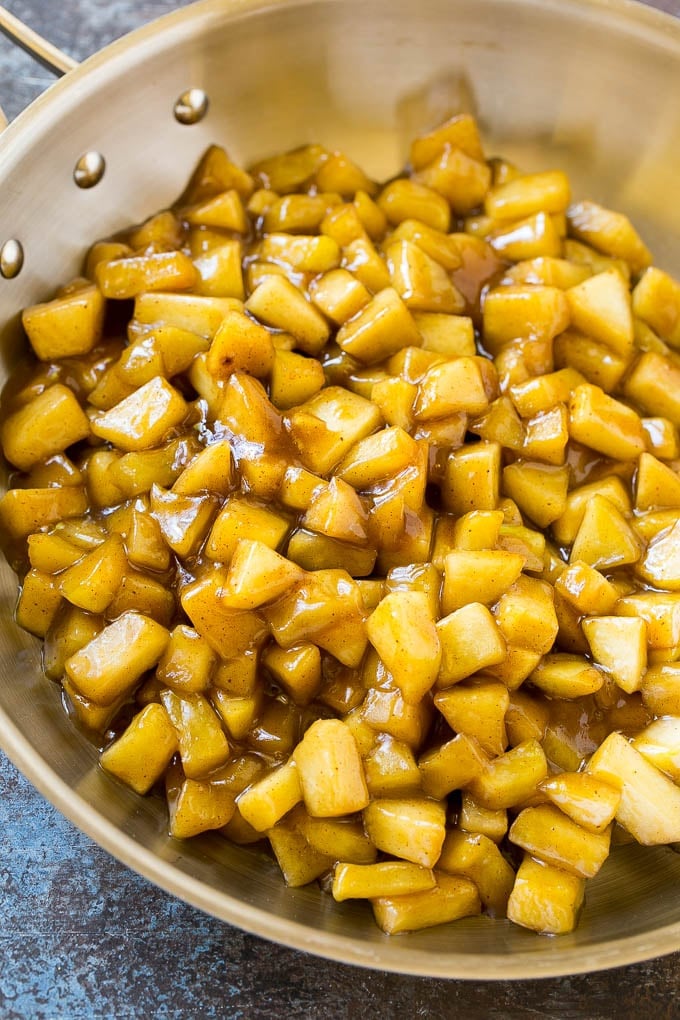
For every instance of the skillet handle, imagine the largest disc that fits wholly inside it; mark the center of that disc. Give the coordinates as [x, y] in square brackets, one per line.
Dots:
[35, 45]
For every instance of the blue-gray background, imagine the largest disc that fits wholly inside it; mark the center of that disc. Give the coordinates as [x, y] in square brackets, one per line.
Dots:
[82, 936]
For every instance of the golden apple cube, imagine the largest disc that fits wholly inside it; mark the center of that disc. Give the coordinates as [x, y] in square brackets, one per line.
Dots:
[239, 714]
[376, 457]
[92, 582]
[511, 778]
[653, 384]
[478, 858]
[229, 632]
[545, 899]
[605, 424]
[297, 669]
[586, 589]
[412, 829]
[270, 798]
[660, 563]
[460, 132]
[340, 838]
[478, 710]
[141, 420]
[422, 283]
[478, 576]
[446, 389]
[335, 510]
[240, 345]
[661, 613]
[67, 327]
[140, 756]
[475, 818]
[523, 311]
[608, 232]
[390, 767]
[604, 538]
[472, 478]
[450, 766]
[548, 834]
[339, 295]
[196, 806]
[127, 277]
[330, 770]
[656, 484]
[110, 665]
[585, 799]
[46, 425]
[566, 676]
[405, 199]
[184, 520]
[452, 898]
[240, 519]
[650, 802]
[211, 470]
[388, 878]
[203, 745]
[300, 863]
[659, 743]
[341, 420]
[403, 632]
[279, 303]
[257, 574]
[470, 641]
[39, 601]
[540, 490]
[656, 300]
[294, 379]
[601, 307]
[383, 327]
[187, 663]
[566, 527]
[50, 553]
[618, 644]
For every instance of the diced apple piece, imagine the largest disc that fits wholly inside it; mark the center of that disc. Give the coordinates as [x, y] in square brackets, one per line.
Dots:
[265, 802]
[381, 328]
[608, 232]
[112, 662]
[279, 303]
[567, 676]
[659, 743]
[452, 898]
[600, 306]
[540, 490]
[388, 878]
[140, 756]
[141, 420]
[619, 645]
[470, 641]
[511, 778]
[402, 631]
[330, 770]
[586, 799]
[478, 576]
[478, 710]
[67, 327]
[241, 519]
[545, 899]
[526, 615]
[523, 311]
[336, 511]
[650, 802]
[46, 425]
[479, 859]
[604, 538]
[203, 745]
[450, 766]
[605, 424]
[548, 834]
[92, 582]
[412, 829]
[472, 478]
[240, 345]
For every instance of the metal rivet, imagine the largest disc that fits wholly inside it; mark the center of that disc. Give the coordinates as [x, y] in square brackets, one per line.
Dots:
[191, 107]
[11, 258]
[89, 169]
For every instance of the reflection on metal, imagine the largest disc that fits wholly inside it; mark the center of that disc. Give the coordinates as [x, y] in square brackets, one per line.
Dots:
[191, 107]
[11, 258]
[89, 169]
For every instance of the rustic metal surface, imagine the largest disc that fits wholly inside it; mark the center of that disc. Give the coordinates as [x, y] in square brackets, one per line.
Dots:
[82, 936]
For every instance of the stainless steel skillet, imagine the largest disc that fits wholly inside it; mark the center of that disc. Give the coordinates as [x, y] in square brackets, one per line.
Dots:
[589, 86]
